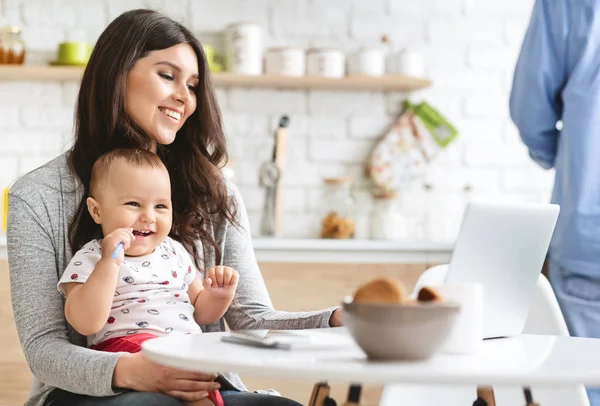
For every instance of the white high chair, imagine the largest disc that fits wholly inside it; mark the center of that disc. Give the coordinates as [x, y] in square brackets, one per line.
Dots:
[544, 317]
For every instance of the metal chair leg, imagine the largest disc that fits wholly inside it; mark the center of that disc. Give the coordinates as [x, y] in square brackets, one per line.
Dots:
[321, 391]
[485, 397]
[529, 396]
[353, 395]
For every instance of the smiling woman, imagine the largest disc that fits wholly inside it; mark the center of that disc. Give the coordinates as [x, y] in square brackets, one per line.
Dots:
[163, 91]
[154, 91]
[146, 86]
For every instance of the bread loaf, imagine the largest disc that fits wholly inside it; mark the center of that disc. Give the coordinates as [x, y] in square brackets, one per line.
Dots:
[381, 290]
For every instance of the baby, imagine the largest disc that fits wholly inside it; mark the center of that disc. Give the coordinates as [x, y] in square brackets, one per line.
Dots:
[121, 295]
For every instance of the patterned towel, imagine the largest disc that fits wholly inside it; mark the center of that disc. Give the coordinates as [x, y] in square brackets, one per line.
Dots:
[411, 143]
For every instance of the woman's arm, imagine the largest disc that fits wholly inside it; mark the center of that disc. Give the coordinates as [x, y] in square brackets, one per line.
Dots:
[251, 307]
[38, 306]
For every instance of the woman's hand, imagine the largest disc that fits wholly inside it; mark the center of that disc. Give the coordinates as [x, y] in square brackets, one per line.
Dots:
[136, 372]
[336, 318]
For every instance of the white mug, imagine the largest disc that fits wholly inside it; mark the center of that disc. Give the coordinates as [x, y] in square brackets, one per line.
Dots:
[467, 332]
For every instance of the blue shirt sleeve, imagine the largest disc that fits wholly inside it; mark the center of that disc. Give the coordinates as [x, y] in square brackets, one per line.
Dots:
[540, 75]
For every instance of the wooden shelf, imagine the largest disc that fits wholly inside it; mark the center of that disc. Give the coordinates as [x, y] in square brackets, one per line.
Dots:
[40, 73]
[396, 83]
[385, 83]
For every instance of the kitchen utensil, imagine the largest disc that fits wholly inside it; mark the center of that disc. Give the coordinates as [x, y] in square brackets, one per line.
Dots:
[271, 175]
[280, 157]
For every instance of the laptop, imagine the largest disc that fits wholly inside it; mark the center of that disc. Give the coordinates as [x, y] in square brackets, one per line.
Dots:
[503, 247]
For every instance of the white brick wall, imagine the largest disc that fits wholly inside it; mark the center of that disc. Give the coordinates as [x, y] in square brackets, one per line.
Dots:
[470, 47]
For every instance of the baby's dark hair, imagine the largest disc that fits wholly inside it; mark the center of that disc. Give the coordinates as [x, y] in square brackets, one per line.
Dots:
[135, 156]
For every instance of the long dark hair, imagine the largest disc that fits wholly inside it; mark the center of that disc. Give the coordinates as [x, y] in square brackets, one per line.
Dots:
[102, 124]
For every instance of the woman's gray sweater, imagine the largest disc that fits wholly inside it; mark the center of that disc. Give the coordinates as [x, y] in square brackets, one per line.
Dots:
[41, 205]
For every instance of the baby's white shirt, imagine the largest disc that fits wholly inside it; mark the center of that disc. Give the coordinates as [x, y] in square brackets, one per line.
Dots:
[151, 293]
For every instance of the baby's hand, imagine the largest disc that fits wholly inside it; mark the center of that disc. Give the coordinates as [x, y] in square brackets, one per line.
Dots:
[221, 281]
[110, 242]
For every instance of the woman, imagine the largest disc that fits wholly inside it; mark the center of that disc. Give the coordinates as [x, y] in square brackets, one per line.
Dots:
[146, 85]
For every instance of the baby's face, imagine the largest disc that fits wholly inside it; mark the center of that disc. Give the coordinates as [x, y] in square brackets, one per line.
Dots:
[140, 198]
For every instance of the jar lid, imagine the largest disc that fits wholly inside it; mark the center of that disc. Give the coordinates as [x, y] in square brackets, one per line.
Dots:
[370, 48]
[384, 194]
[10, 28]
[325, 49]
[337, 180]
[284, 48]
[243, 24]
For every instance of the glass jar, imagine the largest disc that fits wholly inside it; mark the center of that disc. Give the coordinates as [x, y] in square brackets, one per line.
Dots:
[12, 47]
[338, 208]
[386, 219]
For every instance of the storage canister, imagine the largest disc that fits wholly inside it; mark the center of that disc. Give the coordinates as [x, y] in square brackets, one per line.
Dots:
[338, 209]
[367, 61]
[386, 220]
[12, 47]
[244, 48]
[286, 61]
[409, 63]
[326, 62]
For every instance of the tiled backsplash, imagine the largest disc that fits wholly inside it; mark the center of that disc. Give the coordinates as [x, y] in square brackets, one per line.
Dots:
[470, 47]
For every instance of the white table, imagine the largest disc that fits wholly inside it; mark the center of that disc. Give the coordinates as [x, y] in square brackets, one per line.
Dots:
[522, 360]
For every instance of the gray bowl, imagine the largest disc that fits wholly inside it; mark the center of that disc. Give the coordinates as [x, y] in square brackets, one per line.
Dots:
[400, 331]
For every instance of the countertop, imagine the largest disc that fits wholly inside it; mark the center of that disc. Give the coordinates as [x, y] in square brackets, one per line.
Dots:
[340, 251]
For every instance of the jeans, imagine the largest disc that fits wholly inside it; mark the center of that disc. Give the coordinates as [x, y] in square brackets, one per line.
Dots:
[231, 398]
[578, 295]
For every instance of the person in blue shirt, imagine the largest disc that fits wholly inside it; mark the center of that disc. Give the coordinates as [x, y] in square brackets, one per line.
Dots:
[557, 79]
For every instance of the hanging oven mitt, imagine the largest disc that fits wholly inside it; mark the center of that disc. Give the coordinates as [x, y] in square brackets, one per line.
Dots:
[411, 143]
